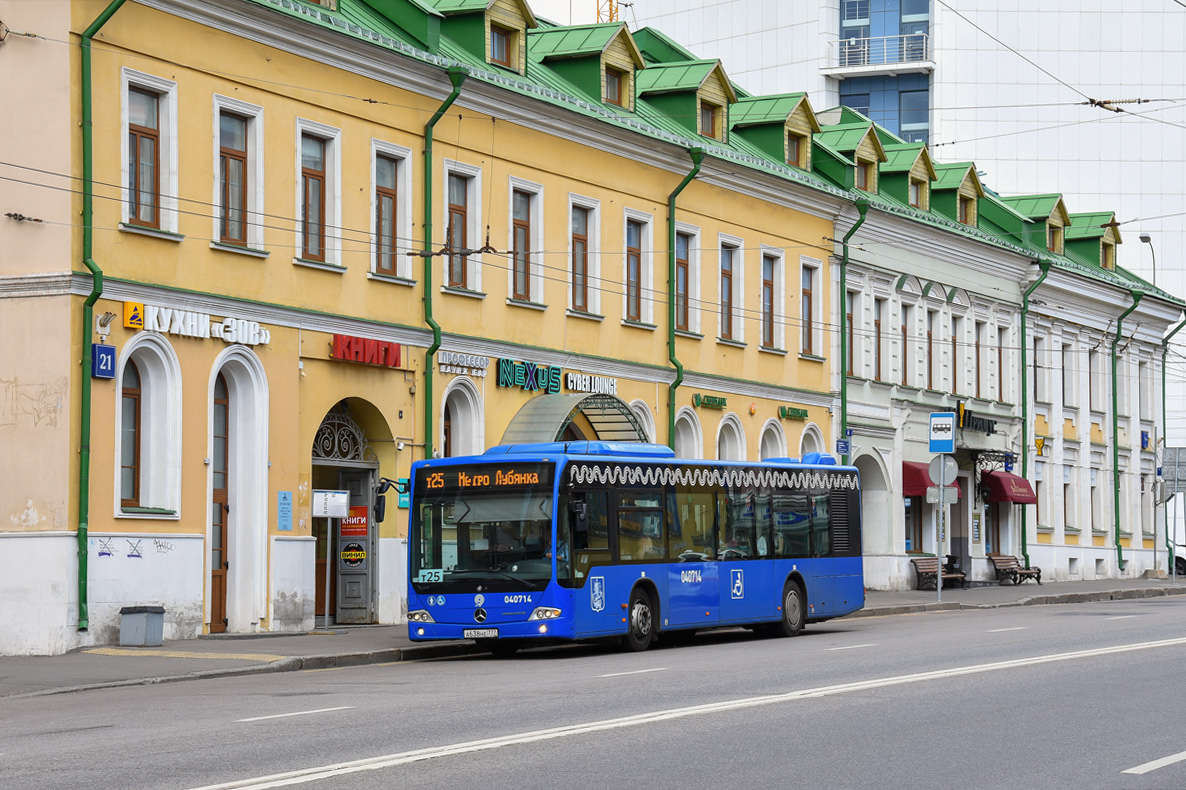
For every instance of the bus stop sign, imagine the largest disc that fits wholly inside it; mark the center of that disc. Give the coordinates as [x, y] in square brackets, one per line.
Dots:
[942, 432]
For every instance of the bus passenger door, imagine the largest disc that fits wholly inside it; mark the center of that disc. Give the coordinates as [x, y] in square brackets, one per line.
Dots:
[693, 575]
[693, 590]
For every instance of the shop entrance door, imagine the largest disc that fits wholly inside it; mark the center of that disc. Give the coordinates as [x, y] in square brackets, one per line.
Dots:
[219, 509]
[355, 554]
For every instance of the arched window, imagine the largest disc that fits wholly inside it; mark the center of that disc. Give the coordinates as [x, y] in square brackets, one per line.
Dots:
[774, 441]
[689, 441]
[731, 439]
[129, 439]
[643, 412]
[147, 463]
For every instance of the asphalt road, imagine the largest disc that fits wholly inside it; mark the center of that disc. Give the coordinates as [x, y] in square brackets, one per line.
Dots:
[1067, 696]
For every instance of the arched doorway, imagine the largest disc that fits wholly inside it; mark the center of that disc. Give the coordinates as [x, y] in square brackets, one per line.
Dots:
[237, 502]
[877, 535]
[463, 424]
[343, 459]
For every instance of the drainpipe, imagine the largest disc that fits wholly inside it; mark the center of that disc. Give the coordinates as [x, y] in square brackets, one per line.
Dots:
[88, 312]
[697, 155]
[457, 75]
[1025, 399]
[1165, 347]
[862, 207]
[1136, 299]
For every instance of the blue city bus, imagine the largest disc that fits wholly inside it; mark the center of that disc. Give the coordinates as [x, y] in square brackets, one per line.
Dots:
[588, 540]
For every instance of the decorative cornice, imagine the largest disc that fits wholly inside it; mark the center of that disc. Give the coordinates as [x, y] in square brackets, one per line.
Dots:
[30, 285]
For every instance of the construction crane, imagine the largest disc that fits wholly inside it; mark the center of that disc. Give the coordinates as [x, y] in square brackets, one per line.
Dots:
[607, 10]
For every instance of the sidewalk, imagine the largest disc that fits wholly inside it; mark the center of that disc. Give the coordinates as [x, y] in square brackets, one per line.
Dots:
[223, 656]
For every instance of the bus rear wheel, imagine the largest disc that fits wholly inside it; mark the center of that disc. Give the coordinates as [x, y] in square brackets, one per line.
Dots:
[640, 621]
[792, 611]
[1180, 565]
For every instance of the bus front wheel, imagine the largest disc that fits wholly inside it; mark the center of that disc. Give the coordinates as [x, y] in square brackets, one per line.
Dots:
[792, 610]
[640, 621]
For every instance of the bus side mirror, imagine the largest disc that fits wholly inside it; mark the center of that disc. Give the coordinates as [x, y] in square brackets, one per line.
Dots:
[579, 512]
[380, 508]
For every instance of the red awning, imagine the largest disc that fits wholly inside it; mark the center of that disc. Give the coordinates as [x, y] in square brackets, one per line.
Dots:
[916, 479]
[1007, 487]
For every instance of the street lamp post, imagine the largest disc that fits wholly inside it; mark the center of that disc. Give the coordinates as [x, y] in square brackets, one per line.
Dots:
[1147, 239]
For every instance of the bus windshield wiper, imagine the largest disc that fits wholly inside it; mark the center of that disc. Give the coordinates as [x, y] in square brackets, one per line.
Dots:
[493, 572]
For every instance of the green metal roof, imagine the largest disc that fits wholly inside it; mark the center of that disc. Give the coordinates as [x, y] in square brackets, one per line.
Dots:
[900, 157]
[658, 48]
[951, 176]
[572, 42]
[844, 137]
[1035, 207]
[673, 77]
[764, 109]
[1089, 225]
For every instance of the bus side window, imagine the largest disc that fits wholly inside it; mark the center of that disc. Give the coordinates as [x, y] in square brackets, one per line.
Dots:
[821, 537]
[792, 516]
[588, 539]
[693, 536]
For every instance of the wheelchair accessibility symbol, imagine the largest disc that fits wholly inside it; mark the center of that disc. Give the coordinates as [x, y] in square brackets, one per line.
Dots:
[736, 584]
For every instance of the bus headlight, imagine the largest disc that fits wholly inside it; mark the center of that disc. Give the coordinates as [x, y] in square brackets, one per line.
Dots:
[420, 616]
[544, 613]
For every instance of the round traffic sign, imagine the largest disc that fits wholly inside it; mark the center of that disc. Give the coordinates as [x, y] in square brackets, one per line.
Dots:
[943, 470]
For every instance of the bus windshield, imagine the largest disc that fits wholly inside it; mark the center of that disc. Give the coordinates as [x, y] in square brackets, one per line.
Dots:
[482, 525]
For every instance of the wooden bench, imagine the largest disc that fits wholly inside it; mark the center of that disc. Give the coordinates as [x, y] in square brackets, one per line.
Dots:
[1008, 567]
[928, 568]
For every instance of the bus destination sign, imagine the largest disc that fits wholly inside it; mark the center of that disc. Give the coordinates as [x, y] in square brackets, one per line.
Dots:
[499, 478]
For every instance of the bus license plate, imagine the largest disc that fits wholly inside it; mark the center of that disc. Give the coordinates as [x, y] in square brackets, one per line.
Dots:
[480, 633]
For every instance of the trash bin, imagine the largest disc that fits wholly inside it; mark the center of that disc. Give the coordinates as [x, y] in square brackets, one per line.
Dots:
[141, 626]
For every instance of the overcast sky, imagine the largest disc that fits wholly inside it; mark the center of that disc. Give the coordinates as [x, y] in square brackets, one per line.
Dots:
[565, 12]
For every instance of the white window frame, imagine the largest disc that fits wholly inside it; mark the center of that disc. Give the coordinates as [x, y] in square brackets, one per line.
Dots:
[780, 285]
[160, 426]
[592, 248]
[694, 280]
[738, 320]
[404, 243]
[817, 300]
[255, 169]
[646, 279]
[333, 191]
[473, 216]
[167, 156]
[535, 266]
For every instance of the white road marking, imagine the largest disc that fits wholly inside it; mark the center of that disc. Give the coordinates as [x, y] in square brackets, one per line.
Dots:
[635, 672]
[1155, 764]
[1122, 617]
[850, 647]
[298, 713]
[1015, 628]
[303, 775]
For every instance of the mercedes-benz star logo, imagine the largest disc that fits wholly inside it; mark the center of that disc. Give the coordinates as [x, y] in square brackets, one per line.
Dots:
[480, 616]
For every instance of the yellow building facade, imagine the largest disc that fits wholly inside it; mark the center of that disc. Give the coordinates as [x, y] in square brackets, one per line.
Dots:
[330, 246]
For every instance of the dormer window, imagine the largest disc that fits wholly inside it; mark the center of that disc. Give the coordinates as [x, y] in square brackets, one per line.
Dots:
[1054, 238]
[865, 176]
[501, 41]
[795, 152]
[708, 119]
[967, 210]
[615, 80]
[918, 193]
[1108, 255]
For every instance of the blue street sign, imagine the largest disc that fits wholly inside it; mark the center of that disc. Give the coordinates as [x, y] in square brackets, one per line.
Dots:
[102, 361]
[842, 447]
[942, 432]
